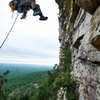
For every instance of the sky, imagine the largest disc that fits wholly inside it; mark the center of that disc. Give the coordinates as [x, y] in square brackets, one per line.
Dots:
[31, 40]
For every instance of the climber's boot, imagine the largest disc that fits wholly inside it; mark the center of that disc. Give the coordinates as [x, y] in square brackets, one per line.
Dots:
[37, 11]
[24, 15]
[43, 18]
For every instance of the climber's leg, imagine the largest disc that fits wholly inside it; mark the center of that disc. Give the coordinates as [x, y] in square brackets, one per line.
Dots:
[24, 12]
[33, 4]
[37, 11]
[35, 8]
[24, 15]
[20, 9]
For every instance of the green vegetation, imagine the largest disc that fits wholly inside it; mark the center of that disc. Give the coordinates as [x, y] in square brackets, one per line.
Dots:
[57, 78]
[20, 81]
[2, 81]
[28, 86]
[45, 86]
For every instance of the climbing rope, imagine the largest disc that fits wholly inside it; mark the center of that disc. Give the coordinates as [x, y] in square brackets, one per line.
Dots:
[9, 31]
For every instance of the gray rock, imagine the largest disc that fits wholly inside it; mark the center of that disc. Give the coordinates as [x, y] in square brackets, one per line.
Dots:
[84, 46]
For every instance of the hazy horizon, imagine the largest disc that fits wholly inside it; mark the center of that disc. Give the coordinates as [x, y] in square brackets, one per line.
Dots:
[21, 63]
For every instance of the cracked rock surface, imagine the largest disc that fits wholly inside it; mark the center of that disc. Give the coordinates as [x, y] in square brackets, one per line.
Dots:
[79, 27]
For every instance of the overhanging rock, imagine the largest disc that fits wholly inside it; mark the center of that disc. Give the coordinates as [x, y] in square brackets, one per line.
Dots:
[95, 30]
[88, 5]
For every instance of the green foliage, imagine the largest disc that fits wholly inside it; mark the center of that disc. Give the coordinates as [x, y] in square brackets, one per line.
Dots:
[49, 89]
[22, 80]
[58, 78]
[26, 88]
[65, 59]
[22, 74]
[2, 81]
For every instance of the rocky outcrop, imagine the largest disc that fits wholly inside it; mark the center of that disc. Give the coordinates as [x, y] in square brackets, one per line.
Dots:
[79, 28]
[89, 5]
[61, 94]
[95, 29]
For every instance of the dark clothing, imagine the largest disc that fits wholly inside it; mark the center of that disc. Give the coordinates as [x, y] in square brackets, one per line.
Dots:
[22, 6]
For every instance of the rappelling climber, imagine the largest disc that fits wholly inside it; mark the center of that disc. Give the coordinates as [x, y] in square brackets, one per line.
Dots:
[22, 6]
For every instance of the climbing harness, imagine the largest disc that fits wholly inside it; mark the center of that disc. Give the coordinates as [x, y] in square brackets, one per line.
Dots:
[9, 31]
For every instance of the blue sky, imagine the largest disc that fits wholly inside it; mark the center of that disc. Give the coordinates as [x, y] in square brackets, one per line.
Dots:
[31, 40]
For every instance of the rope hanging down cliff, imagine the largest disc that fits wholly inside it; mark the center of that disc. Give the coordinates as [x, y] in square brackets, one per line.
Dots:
[9, 31]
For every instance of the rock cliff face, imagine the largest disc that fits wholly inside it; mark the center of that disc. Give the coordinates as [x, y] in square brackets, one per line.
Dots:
[79, 28]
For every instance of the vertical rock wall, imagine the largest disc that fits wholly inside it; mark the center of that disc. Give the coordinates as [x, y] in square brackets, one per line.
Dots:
[79, 28]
